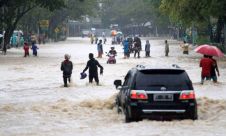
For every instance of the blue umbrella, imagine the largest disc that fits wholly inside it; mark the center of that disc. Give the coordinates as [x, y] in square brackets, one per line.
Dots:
[119, 33]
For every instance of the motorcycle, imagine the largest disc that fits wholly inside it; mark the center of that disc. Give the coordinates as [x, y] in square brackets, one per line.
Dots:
[111, 58]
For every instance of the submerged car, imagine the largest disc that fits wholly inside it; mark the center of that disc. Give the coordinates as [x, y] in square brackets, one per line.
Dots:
[156, 93]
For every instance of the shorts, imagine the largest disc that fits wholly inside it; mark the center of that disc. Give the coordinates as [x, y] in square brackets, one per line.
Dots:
[185, 52]
[204, 77]
[214, 78]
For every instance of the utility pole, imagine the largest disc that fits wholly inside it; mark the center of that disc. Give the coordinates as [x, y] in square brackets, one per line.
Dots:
[156, 31]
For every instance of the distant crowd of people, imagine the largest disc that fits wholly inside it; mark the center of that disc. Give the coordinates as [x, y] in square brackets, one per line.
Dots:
[18, 39]
[208, 64]
[130, 45]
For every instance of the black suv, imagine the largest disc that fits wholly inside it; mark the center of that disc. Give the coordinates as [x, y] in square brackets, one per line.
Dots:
[156, 93]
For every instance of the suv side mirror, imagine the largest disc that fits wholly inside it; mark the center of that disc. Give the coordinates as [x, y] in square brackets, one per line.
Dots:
[117, 83]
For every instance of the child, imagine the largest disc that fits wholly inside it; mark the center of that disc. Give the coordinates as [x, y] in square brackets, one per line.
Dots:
[34, 49]
[26, 50]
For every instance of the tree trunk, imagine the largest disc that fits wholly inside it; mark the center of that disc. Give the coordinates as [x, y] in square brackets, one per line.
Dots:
[10, 27]
[12, 18]
[210, 31]
[156, 31]
[220, 25]
[8, 34]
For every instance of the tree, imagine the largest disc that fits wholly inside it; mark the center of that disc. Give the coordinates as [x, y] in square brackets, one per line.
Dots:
[14, 10]
[200, 12]
[3, 2]
[73, 10]
[133, 13]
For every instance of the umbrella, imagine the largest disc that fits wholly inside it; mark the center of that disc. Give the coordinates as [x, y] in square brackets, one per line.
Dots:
[209, 50]
[119, 33]
[113, 32]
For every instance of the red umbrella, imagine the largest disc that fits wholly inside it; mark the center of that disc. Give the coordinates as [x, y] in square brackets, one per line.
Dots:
[209, 50]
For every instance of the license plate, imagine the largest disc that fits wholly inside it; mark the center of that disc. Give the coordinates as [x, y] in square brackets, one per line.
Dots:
[163, 97]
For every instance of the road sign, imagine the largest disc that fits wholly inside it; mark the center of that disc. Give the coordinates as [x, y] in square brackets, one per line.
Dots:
[44, 23]
[57, 30]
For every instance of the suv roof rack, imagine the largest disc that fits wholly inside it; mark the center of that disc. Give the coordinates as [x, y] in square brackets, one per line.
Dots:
[143, 67]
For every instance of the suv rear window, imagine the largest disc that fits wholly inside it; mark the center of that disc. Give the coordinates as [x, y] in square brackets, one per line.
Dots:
[172, 80]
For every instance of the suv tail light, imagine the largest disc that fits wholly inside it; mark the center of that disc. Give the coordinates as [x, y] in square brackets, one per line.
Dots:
[185, 95]
[138, 94]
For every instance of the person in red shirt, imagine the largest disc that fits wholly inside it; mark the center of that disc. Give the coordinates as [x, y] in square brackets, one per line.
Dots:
[206, 63]
[26, 50]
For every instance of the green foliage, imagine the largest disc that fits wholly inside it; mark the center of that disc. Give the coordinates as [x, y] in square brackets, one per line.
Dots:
[13, 11]
[136, 12]
[198, 12]
[114, 11]
[50, 4]
[30, 21]
[222, 48]
[192, 11]
[76, 8]
[203, 40]
[206, 40]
